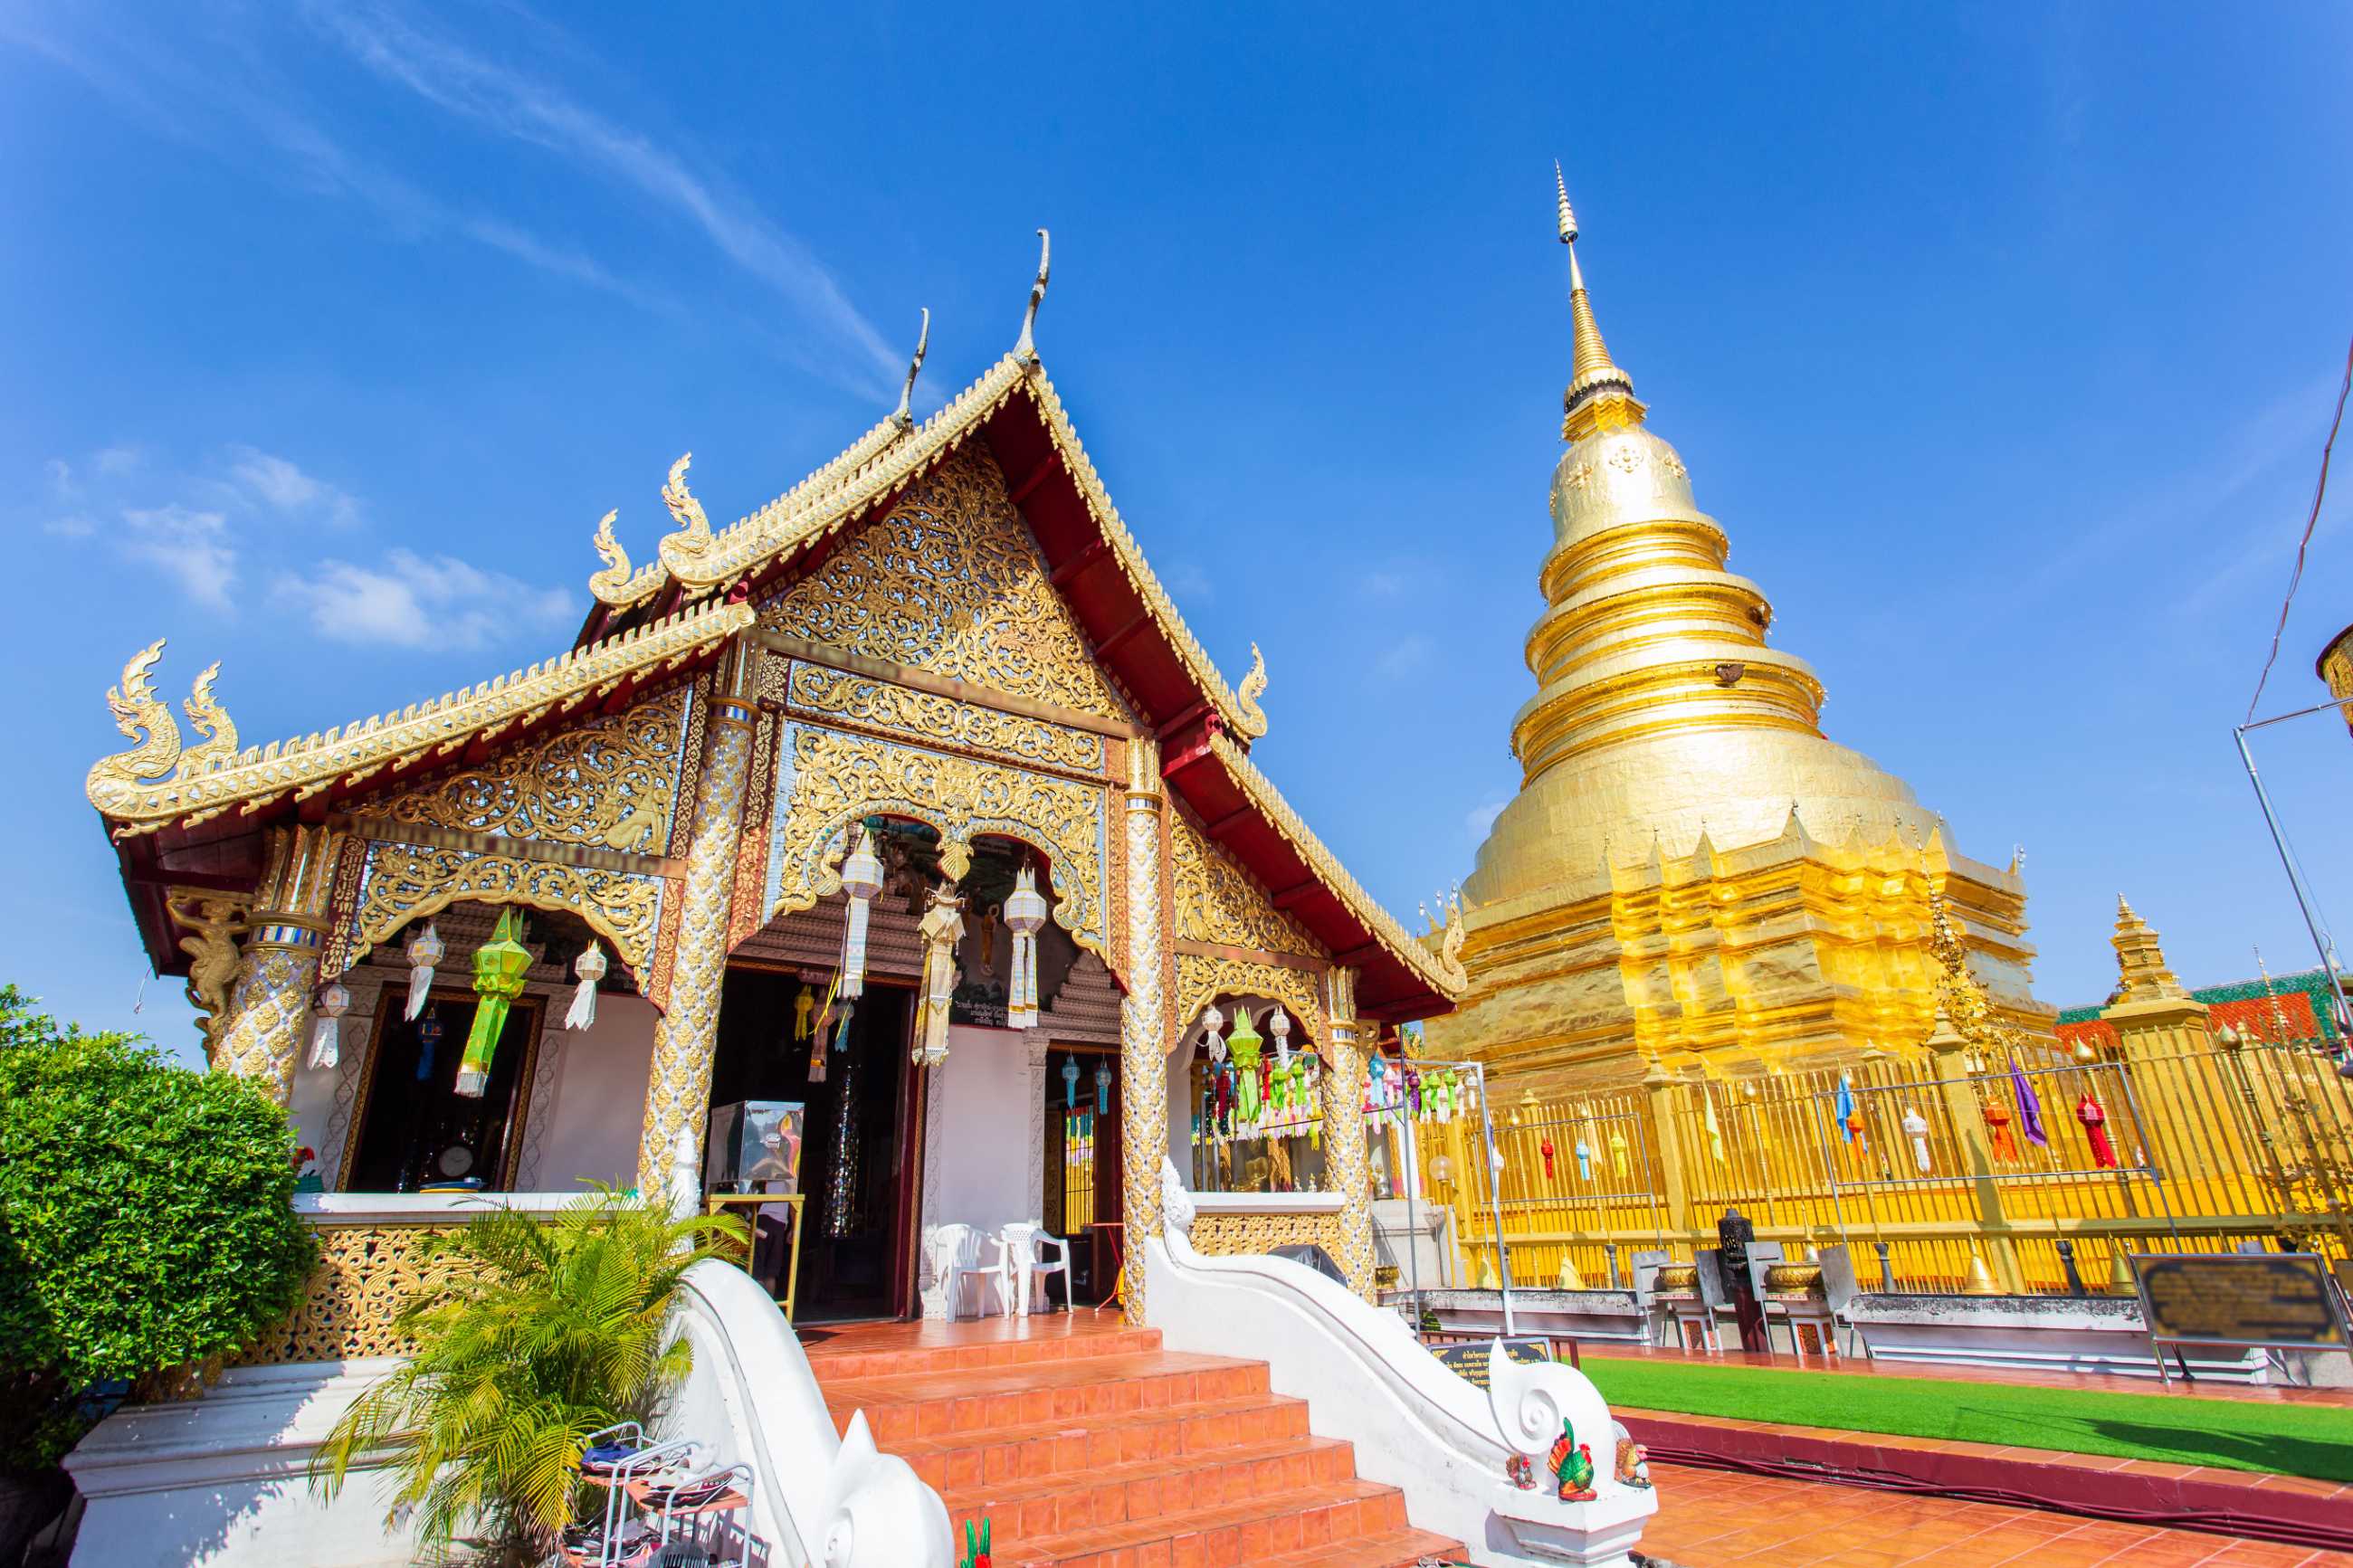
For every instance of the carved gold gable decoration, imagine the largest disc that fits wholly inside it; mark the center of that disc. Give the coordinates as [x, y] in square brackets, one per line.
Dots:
[826, 780]
[404, 882]
[1218, 901]
[1202, 979]
[951, 582]
[610, 783]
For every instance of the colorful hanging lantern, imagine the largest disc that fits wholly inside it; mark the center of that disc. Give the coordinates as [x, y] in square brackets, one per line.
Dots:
[1025, 915]
[804, 1013]
[1103, 1089]
[588, 969]
[499, 967]
[1278, 1024]
[2095, 1119]
[1212, 1020]
[335, 1001]
[1070, 1083]
[861, 878]
[428, 1035]
[1243, 1045]
[941, 924]
[1915, 1128]
[425, 950]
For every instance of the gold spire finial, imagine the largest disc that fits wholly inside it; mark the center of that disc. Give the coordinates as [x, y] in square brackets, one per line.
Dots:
[2140, 961]
[1600, 395]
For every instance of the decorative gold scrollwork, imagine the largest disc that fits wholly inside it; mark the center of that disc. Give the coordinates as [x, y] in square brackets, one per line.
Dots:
[403, 882]
[1201, 980]
[1218, 901]
[610, 782]
[951, 582]
[825, 780]
[924, 715]
[1230, 1235]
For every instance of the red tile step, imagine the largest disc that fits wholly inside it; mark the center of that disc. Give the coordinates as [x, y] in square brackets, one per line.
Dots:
[1100, 1450]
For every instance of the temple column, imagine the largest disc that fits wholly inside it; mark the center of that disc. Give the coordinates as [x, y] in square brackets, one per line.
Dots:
[1144, 1020]
[1674, 1192]
[1343, 1132]
[266, 1022]
[1948, 1051]
[677, 1083]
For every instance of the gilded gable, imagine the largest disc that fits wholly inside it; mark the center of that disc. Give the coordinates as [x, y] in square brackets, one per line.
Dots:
[951, 582]
[1218, 901]
[610, 783]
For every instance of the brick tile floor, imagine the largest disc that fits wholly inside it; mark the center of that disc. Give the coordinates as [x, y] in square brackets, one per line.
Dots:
[1711, 1518]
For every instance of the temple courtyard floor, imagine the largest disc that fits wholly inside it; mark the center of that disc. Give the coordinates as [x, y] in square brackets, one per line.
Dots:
[1708, 1518]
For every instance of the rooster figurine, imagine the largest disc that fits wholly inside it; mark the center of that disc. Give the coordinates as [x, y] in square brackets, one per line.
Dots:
[1573, 1463]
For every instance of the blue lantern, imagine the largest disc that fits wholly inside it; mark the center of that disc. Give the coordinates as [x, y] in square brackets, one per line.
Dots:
[1070, 1083]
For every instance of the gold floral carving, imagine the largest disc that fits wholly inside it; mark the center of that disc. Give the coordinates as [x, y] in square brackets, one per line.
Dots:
[927, 716]
[951, 582]
[1233, 1235]
[261, 1032]
[213, 921]
[610, 782]
[405, 882]
[140, 791]
[1218, 901]
[1201, 980]
[365, 1273]
[830, 779]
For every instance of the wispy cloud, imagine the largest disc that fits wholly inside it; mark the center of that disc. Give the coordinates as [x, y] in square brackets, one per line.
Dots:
[1480, 820]
[228, 102]
[189, 547]
[1190, 583]
[1403, 656]
[283, 485]
[413, 601]
[464, 83]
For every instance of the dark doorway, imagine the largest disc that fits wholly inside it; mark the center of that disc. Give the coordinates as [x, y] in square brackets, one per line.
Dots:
[415, 1129]
[859, 1163]
[1084, 1185]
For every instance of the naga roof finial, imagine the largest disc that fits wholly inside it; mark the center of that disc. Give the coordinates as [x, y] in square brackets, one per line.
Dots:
[607, 584]
[905, 417]
[694, 527]
[1246, 695]
[1025, 350]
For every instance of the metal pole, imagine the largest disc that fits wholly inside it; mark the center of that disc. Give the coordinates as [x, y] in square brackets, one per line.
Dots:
[2287, 860]
[1495, 1198]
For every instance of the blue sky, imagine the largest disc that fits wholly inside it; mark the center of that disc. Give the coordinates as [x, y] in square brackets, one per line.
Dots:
[2001, 339]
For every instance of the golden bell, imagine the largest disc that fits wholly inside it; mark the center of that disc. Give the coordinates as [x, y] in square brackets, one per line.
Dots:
[2120, 1275]
[1980, 1282]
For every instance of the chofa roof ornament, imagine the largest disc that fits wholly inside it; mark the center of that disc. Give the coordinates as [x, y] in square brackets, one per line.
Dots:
[1026, 348]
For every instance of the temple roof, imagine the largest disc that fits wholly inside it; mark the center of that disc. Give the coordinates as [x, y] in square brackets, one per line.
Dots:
[162, 802]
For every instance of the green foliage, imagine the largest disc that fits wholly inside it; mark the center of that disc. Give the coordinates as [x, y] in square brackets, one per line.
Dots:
[145, 1220]
[530, 1335]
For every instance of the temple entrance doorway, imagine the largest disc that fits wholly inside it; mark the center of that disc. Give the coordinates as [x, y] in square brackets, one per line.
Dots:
[1085, 1184]
[859, 1169]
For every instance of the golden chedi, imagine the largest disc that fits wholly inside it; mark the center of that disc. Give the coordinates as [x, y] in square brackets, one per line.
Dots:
[1691, 872]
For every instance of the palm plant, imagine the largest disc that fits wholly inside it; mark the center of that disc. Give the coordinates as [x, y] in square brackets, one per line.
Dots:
[530, 1334]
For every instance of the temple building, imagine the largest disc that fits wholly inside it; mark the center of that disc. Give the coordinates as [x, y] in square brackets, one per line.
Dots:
[1692, 876]
[908, 801]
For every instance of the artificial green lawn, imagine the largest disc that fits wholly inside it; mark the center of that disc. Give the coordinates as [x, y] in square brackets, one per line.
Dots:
[2228, 1434]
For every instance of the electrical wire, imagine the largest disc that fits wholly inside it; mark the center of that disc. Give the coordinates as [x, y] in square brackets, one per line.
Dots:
[2318, 490]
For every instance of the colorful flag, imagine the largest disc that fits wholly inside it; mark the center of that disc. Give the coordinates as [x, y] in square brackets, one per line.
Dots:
[1715, 1132]
[2030, 1109]
[1844, 1108]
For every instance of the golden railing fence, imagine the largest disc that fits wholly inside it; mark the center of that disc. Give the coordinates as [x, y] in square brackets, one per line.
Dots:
[1943, 1172]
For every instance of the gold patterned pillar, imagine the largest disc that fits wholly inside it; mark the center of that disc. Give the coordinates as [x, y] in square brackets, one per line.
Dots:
[1144, 1020]
[262, 1028]
[1344, 1130]
[678, 1082]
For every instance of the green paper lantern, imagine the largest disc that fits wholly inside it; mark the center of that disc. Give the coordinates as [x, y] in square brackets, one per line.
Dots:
[500, 967]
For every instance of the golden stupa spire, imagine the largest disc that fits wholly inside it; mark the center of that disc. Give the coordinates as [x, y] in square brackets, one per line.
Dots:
[1600, 395]
[2142, 975]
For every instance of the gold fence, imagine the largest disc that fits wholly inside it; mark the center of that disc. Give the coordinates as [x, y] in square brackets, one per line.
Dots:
[1942, 1174]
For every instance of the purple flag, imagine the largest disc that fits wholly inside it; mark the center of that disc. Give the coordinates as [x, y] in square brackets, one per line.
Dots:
[2030, 1109]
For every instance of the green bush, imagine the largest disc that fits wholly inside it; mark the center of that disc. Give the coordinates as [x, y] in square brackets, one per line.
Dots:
[529, 1335]
[145, 1220]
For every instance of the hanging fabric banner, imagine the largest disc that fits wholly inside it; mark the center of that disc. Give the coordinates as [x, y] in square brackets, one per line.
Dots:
[588, 968]
[942, 925]
[1025, 914]
[425, 950]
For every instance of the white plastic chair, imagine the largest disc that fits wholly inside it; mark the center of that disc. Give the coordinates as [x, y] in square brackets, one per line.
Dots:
[1021, 1243]
[958, 1247]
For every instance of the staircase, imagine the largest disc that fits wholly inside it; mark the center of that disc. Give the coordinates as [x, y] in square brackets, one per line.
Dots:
[1087, 1446]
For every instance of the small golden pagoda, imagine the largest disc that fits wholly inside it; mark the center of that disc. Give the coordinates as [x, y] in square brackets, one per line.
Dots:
[1691, 872]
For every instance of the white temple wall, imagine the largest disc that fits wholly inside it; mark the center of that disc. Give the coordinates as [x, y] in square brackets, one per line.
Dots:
[596, 1104]
[979, 1125]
